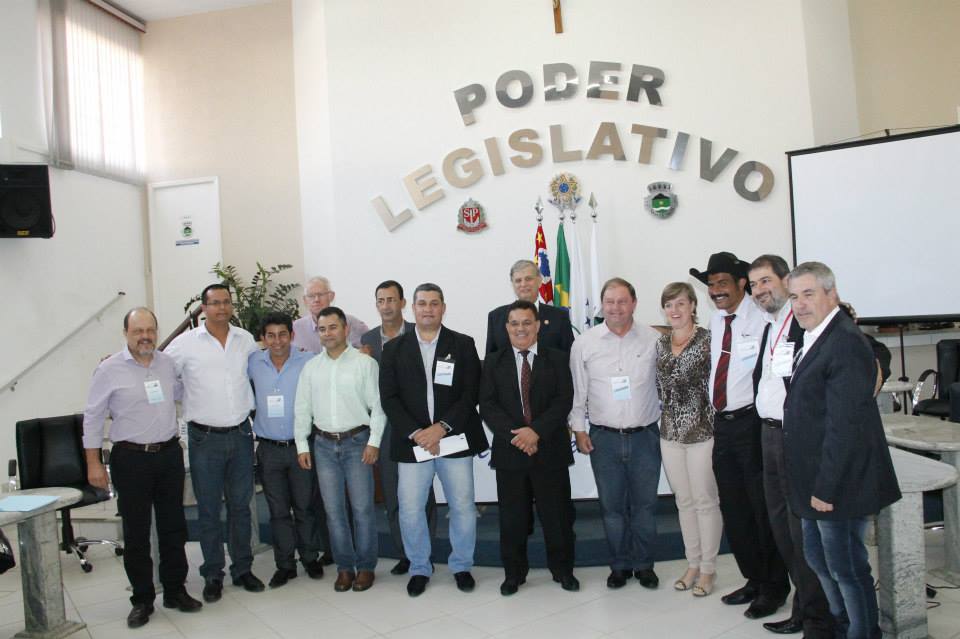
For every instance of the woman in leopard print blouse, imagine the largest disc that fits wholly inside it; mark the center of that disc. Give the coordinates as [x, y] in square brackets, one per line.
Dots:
[686, 435]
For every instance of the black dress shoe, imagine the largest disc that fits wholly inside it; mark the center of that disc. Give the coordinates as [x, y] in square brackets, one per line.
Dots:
[763, 607]
[416, 585]
[282, 576]
[326, 559]
[465, 582]
[510, 586]
[181, 601]
[567, 582]
[140, 615]
[789, 626]
[647, 578]
[212, 590]
[618, 578]
[314, 569]
[402, 567]
[740, 596]
[249, 582]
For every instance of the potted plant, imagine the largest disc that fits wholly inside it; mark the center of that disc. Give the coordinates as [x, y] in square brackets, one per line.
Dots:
[254, 300]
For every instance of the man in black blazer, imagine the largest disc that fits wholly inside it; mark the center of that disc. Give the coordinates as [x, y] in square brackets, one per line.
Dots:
[525, 396]
[555, 329]
[429, 380]
[838, 465]
[390, 304]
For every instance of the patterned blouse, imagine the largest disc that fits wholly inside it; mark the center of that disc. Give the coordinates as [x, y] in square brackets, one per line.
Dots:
[682, 382]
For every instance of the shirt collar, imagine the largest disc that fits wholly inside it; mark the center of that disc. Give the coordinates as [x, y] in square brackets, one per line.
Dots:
[741, 307]
[606, 330]
[424, 342]
[780, 315]
[532, 349]
[345, 353]
[815, 333]
[202, 328]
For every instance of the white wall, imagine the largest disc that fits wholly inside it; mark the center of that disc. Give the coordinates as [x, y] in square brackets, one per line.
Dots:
[51, 286]
[373, 104]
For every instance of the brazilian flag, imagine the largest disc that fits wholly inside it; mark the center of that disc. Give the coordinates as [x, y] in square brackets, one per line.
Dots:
[561, 278]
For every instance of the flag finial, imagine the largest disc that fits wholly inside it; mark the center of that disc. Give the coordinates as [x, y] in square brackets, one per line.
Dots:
[538, 207]
[593, 206]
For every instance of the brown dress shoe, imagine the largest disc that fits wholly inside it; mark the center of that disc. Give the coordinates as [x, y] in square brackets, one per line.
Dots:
[364, 581]
[344, 580]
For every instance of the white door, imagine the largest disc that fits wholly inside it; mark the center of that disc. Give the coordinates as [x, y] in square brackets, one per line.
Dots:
[184, 244]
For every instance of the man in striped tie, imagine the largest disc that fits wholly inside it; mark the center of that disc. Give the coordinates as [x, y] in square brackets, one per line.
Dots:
[736, 329]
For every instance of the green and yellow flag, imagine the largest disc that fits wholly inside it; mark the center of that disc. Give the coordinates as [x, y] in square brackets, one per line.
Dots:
[561, 278]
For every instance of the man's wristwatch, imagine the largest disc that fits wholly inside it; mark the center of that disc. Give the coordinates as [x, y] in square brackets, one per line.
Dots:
[447, 427]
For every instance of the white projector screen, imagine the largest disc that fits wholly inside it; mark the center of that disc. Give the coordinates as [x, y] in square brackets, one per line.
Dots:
[884, 214]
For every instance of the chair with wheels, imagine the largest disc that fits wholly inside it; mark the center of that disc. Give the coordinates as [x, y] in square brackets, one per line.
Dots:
[947, 374]
[50, 453]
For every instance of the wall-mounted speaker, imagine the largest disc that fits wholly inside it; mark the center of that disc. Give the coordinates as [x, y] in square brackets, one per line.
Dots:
[25, 201]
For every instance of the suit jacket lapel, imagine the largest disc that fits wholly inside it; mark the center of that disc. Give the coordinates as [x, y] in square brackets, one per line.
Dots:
[817, 345]
[508, 362]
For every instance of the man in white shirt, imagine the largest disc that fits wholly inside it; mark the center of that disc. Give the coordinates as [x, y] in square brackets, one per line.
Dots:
[736, 330]
[211, 361]
[338, 399]
[782, 337]
[614, 375]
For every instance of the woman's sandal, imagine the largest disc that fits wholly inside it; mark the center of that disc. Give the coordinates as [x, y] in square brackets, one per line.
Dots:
[682, 584]
[703, 588]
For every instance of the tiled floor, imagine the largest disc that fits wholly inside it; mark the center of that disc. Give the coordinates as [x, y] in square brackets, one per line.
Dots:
[305, 608]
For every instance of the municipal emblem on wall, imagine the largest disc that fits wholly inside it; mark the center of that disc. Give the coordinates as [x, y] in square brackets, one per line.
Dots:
[661, 201]
[471, 217]
[565, 192]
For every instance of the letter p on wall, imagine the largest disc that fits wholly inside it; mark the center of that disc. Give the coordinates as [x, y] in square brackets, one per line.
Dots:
[468, 98]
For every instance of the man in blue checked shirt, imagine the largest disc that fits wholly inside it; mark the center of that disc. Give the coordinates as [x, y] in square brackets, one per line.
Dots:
[288, 488]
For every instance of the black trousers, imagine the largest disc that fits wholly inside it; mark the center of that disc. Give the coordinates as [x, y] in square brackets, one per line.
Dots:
[738, 467]
[810, 605]
[548, 489]
[389, 480]
[151, 484]
[289, 493]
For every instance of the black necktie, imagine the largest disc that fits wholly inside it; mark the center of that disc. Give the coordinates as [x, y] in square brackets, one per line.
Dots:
[525, 372]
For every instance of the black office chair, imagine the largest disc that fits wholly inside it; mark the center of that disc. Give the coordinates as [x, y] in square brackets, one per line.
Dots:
[947, 373]
[50, 451]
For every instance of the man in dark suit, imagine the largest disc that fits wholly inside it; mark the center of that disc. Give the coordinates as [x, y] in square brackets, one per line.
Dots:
[838, 465]
[555, 329]
[390, 305]
[525, 396]
[429, 380]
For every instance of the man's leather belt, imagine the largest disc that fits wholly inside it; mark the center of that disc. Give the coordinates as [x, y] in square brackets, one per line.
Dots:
[281, 443]
[735, 414]
[148, 448]
[216, 429]
[623, 431]
[340, 436]
[774, 423]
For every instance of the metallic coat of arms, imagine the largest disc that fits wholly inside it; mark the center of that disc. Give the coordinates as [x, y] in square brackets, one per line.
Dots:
[565, 192]
[662, 201]
[471, 217]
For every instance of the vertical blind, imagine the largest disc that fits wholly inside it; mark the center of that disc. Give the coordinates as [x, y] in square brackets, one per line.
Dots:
[97, 92]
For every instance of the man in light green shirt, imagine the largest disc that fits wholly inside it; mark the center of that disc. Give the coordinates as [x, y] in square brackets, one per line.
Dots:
[338, 399]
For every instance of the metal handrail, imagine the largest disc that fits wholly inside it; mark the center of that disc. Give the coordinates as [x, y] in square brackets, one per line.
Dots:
[190, 321]
[12, 384]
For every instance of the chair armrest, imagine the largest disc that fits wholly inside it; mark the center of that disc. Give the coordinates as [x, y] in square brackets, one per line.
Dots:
[920, 380]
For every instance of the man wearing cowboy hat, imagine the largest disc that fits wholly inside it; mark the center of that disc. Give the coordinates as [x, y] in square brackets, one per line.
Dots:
[736, 330]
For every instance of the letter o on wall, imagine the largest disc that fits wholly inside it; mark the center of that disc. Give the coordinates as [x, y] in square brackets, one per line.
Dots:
[740, 181]
[526, 88]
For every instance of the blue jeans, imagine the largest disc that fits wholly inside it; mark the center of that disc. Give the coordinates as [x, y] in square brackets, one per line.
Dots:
[626, 468]
[835, 551]
[221, 467]
[339, 466]
[416, 480]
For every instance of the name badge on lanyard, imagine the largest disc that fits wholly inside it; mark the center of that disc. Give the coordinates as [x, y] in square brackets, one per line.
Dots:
[620, 385]
[154, 391]
[782, 363]
[444, 373]
[275, 406]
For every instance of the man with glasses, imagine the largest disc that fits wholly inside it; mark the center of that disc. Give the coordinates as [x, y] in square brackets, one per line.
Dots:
[317, 295]
[211, 362]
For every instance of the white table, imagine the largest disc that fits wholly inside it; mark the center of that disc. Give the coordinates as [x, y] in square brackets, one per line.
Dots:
[900, 549]
[919, 432]
[895, 386]
[43, 607]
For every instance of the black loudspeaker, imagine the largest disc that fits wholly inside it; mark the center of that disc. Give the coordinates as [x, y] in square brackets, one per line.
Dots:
[25, 201]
